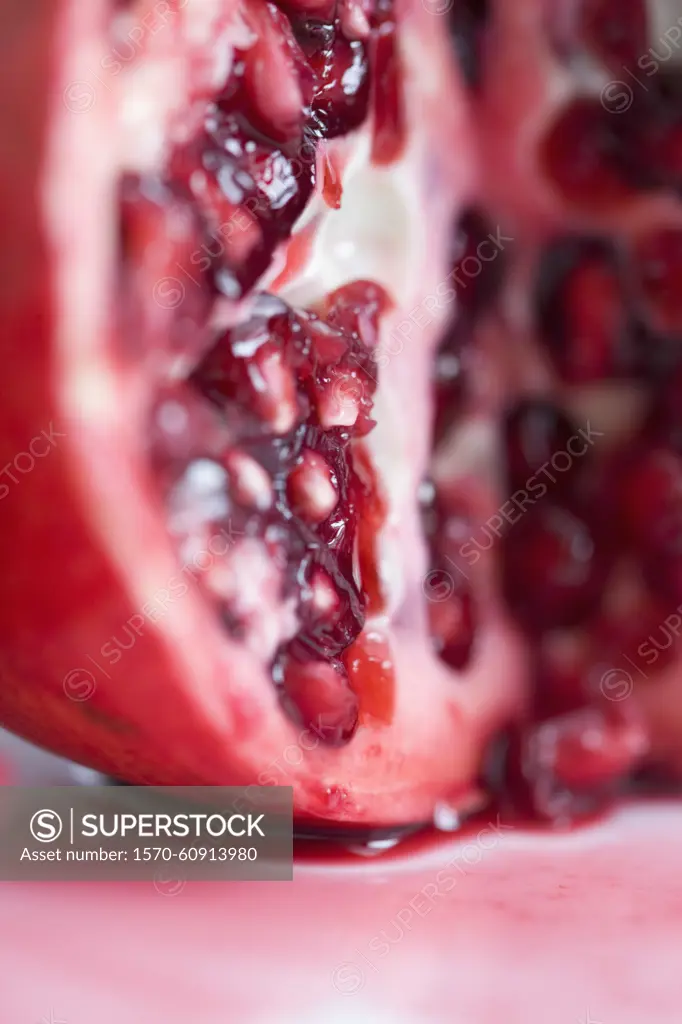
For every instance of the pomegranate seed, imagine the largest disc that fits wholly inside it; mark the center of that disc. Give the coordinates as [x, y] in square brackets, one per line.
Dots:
[183, 428]
[584, 154]
[281, 112]
[311, 488]
[373, 509]
[452, 622]
[664, 423]
[649, 495]
[559, 682]
[616, 30]
[535, 431]
[372, 676]
[661, 560]
[356, 309]
[479, 264]
[341, 98]
[321, 597]
[250, 483]
[468, 21]
[450, 603]
[654, 128]
[330, 620]
[168, 282]
[554, 568]
[449, 380]
[658, 266]
[573, 763]
[641, 641]
[319, 695]
[387, 95]
[582, 313]
[252, 187]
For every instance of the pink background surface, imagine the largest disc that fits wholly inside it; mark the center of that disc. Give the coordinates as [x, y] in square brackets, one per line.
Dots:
[547, 929]
[584, 927]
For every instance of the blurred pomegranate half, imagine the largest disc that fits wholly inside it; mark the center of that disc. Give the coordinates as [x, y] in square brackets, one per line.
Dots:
[340, 433]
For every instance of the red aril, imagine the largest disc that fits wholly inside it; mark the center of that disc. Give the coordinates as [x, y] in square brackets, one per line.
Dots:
[582, 312]
[554, 566]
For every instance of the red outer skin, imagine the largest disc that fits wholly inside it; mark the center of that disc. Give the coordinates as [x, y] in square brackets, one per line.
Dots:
[82, 540]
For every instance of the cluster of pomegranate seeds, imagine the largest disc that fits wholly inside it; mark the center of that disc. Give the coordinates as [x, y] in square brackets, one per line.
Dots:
[589, 553]
[258, 445]
[292, 393]
[253, 165]
[340, 100]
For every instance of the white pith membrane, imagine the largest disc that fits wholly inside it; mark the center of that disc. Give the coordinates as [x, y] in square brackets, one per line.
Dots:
[394, 227]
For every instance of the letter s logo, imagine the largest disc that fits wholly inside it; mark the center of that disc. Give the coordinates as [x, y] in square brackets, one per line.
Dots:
[46, 826]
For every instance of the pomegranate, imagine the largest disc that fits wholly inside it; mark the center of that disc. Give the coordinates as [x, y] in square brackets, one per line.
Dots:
[342, 438]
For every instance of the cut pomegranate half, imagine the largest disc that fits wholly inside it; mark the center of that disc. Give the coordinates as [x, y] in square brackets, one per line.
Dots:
[268, 268]
[239, 565]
